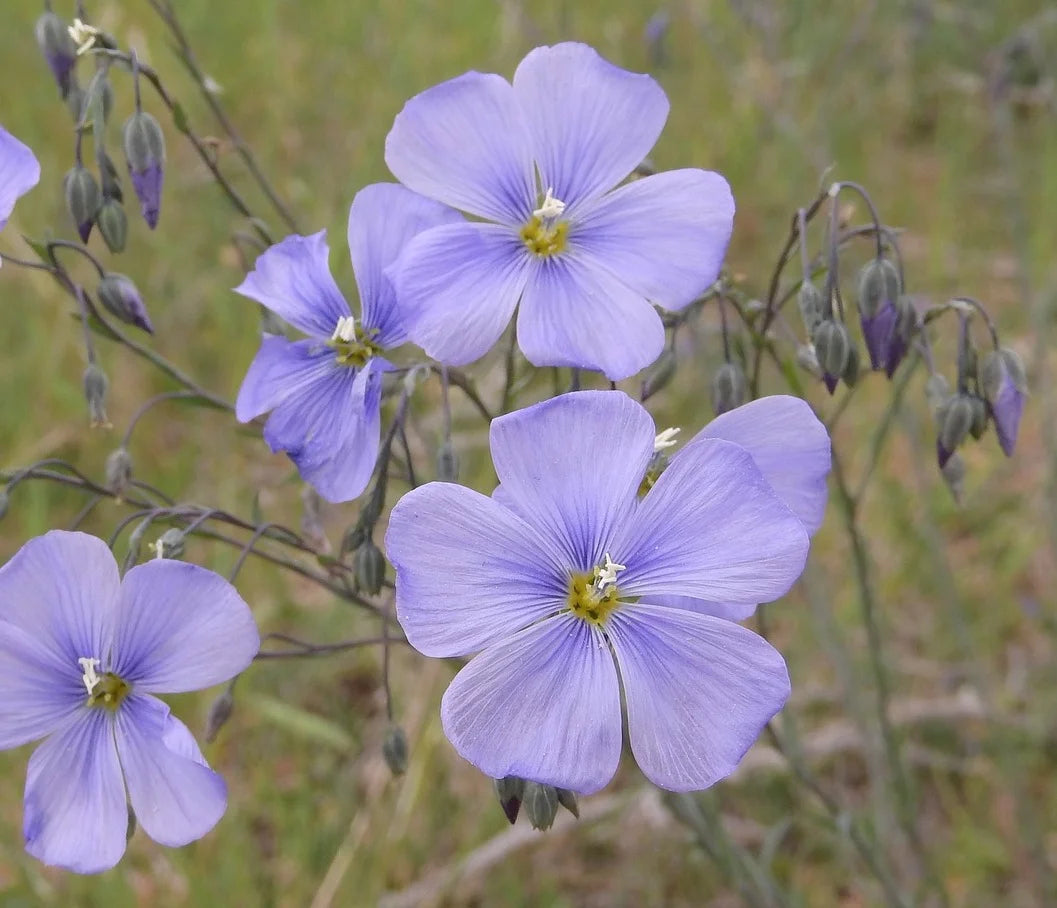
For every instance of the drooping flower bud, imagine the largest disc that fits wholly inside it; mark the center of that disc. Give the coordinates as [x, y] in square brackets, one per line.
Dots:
[394, 749]
[1004, 385]
[833, 348]
[809, 300]
[980, 416]
[447, 463]
[113, 224]
[953, 473]
[937, 391]
[219, 713]
[955, 422]
[878, 287]
[122, 299]
[95, 385]
[170, 544]
[82, 199]
[118, 470]
[541, 805]
[510, 791]
[58, 49]
[807, 359]
[145, 153]
[850, 375]
[658, 375]
[370, 568]
[906, 325]
[730, 388]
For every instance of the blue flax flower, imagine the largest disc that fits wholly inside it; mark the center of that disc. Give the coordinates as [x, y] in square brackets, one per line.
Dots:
[536, 163]
[82, 652]
[324, 392]
[19, 173]
[571, 584]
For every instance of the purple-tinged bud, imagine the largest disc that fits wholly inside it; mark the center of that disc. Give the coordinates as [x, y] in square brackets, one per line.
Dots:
[394, 749]
[877, 332]
[447, 463]
[145, 153]
[833, 349]
[809, 300]
[955, 423]
[118, 471]
[510, 791]
[95, 385]
[370, 568]
[906, 325]
[878, 287]
[730, 388]
[219, 713]
[113, 224]
[82, 199]
[659, 375]
[121, 299]
[58, 49]
[567, 799]
[541, 805]
[1004, 385]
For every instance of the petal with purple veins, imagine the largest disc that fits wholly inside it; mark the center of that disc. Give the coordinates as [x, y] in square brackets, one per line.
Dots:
[19, 173]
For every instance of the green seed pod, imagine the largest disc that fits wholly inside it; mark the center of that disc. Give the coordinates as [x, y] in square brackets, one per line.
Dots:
[878, 284]
[113, 225]
[370, 568]
[82, 199]
[541, 805]
[730, 388]
[510, 790]
[809, 299]
[394, 749]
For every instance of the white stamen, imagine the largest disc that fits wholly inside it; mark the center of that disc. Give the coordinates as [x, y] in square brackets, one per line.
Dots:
[83, 36]
[607, 574]
[345, 330]
[90, 678]
[551, 207]
[665, 439]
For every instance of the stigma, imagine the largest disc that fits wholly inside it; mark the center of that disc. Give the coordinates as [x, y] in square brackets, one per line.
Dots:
[89, 677]
[551, 208]
[353, 344]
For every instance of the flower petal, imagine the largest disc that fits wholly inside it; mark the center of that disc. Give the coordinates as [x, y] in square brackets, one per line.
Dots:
[572, 467]
[62, 590]
[41, 689]
[468, 571]
[712, 528]
[458, 286]
[176, 797]
[181, 627]
[280, 369]
[789, 446]
[293, 279]
[699, 691]
[464, 143]
[542, 705]
[729, 611]
[591, 123]
[19, 173]
[382, 220]
[75, 815]
[663, 236]
[576, 313]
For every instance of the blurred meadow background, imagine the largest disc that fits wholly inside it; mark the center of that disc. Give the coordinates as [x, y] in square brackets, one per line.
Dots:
[945, 111]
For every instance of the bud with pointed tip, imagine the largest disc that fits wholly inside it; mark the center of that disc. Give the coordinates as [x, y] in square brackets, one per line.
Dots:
[955, 423]
[850, 375]
[113, 224]
[567, 799]
[95, 385]
[903, 330]
[58, 49]
[833, 348]
[370, 568]
[118, 470]
[394, 749]
[953, 472]
[659, 375]
[979, 425]
[878, 286]
[219, 713]
[541, 805]
[510, 790]
[82, 199]
[730, 388]
[809, 300]
[120, 297]
[145, 152]
[447, 463]
[1004, 385]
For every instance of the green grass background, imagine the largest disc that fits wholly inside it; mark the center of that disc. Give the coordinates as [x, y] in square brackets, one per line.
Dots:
[895, 96]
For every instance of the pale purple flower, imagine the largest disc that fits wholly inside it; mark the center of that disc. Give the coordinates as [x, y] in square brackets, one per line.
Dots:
[82, 652]
[324, 392]
[536, 162]
[19, 173]
[570, 585]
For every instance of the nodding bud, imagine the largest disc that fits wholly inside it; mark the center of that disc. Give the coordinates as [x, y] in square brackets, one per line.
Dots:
[394, 749]
[730, 388]
[219, 713]
[109, 178]
[510, 790]
[121, 299]
[447, 463]
[906, 325]
[170, 544]
[145, 152]
[118, 471]
[980, 417]
[937, 392]
[955, 423]
[833, 349]
[58, 49]
[370, 568]
[1005, 386]
[541, 805]
[113, 224]
[659, 375]
[809, 299]
[878, 286]
[850, 375]
[807, 359]
[953, 472]
[567, 799]
[95, 385]
[82, 199]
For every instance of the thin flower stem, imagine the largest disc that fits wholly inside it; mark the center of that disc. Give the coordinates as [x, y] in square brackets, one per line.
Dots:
[149, 404]
[300, 649]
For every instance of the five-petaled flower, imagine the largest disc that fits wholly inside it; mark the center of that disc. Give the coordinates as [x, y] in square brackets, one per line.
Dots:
[19, 173]
[577, 573]
[324, 392]
[536, 162]
[81, 653]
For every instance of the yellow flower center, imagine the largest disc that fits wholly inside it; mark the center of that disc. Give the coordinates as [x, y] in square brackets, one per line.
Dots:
[594, 595]
[106, 691]
[352, 344]
[545, 234]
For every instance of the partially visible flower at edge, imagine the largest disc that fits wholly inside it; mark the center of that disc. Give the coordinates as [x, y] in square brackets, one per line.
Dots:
[325, 391]
[19, 173]
[567, 580]
[538, 159]
[82, 652]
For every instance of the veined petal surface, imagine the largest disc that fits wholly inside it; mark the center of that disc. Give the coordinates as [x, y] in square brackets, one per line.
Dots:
[19, 173]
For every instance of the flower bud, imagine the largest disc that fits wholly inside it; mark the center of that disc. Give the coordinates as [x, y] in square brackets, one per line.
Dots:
[937, 391]
[57, 48]
[878, 286]
[850, 375]
[953, 472]
[170, 544]
[353, 538]
[730, 388]
[1005, 386]
[809, 299]
[219, 713]
[567, 799]
[541, 805]
[118, 470]
[510, 790]
[95, 385]
[370, 568]
[447, 463]
[906, 325]
[980, 417]
[658, 375]
[394, 749]
[113, 224]
[145, 153]
[833, 348]
[75, 99]
[121, 299]
[109, 179]
[955, 422]
[82, 199]
[807, 359]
